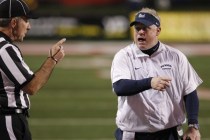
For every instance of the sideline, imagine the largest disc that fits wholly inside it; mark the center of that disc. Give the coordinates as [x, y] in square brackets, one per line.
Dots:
[101, 47]
[108, 48]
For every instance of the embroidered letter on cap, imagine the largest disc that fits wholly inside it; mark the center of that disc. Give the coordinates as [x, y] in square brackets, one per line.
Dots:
[141, 15]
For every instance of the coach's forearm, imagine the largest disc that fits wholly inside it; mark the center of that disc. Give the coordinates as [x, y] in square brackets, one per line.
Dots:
[127, 87]
[40, 77]
[192, 107]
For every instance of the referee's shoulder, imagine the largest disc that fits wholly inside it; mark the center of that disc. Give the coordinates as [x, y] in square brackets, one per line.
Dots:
[3, 43]
[6, 44]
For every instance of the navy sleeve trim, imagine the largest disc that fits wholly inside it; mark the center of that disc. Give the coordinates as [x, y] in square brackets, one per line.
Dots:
[192, 107]
[127, 87]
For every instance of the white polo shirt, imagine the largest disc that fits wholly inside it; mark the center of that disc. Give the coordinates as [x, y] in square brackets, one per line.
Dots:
[152, 110]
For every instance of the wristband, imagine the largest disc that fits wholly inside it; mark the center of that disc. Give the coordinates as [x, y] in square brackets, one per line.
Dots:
[56, 61]
[52, 56]
[196, 126]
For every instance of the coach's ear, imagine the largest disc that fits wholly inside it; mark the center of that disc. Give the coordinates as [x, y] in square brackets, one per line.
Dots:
[158, 31]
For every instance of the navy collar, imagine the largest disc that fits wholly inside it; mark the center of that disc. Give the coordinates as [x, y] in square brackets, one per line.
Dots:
[151, 50]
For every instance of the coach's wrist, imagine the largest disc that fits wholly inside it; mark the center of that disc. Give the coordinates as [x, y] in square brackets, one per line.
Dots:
[195, 126]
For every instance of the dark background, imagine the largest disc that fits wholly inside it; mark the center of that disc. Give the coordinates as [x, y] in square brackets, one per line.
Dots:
[97, 19]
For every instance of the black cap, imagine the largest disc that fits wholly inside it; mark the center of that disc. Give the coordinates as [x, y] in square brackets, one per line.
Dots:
[146, 19]
[15, 8]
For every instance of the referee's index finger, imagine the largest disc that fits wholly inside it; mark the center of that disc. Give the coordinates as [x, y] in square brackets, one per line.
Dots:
[60, 42]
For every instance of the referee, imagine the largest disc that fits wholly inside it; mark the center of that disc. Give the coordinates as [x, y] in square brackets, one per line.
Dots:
[17, 81]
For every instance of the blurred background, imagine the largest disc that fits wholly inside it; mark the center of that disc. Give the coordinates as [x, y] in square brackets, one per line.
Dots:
[78, 103]
[182, 20]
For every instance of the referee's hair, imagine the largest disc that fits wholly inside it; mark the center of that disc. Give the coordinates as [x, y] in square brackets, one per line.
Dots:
[4, 22]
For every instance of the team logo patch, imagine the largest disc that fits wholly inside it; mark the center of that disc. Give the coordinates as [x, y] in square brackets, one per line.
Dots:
[141, 15]
[166, 66]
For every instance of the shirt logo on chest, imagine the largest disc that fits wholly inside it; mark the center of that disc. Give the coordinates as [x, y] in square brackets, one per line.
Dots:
[166, 66]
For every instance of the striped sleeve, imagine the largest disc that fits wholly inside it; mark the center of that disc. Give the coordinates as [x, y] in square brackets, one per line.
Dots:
[13, 66]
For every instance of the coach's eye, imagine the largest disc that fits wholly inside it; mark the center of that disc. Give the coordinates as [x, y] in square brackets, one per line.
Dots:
[138, 28]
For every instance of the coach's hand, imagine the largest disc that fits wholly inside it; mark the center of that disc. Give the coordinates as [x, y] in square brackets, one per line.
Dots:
[57, 51]
[192, 134]
[160, 83]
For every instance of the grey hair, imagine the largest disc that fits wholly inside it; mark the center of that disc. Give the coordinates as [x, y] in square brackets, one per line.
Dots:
[4, 22]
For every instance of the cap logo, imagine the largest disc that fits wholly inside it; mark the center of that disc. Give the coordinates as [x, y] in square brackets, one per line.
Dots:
[146, 19]
[141, 15]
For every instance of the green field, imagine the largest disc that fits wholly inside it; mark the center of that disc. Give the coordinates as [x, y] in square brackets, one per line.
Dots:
[78, 104]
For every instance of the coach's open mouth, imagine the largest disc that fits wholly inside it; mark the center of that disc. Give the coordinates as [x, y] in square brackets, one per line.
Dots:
[140, 39]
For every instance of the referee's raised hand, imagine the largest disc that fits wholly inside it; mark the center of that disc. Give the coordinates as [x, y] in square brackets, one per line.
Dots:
[57, 51]
[160, 83]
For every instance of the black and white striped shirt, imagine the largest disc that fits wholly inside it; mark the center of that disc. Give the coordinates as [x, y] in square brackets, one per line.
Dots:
[14, 74]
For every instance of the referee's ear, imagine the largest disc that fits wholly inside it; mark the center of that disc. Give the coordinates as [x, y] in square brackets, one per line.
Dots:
[13, 22]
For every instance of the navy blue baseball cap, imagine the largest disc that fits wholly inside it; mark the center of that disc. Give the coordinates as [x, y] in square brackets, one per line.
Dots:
[15, 8]
[146, 19]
